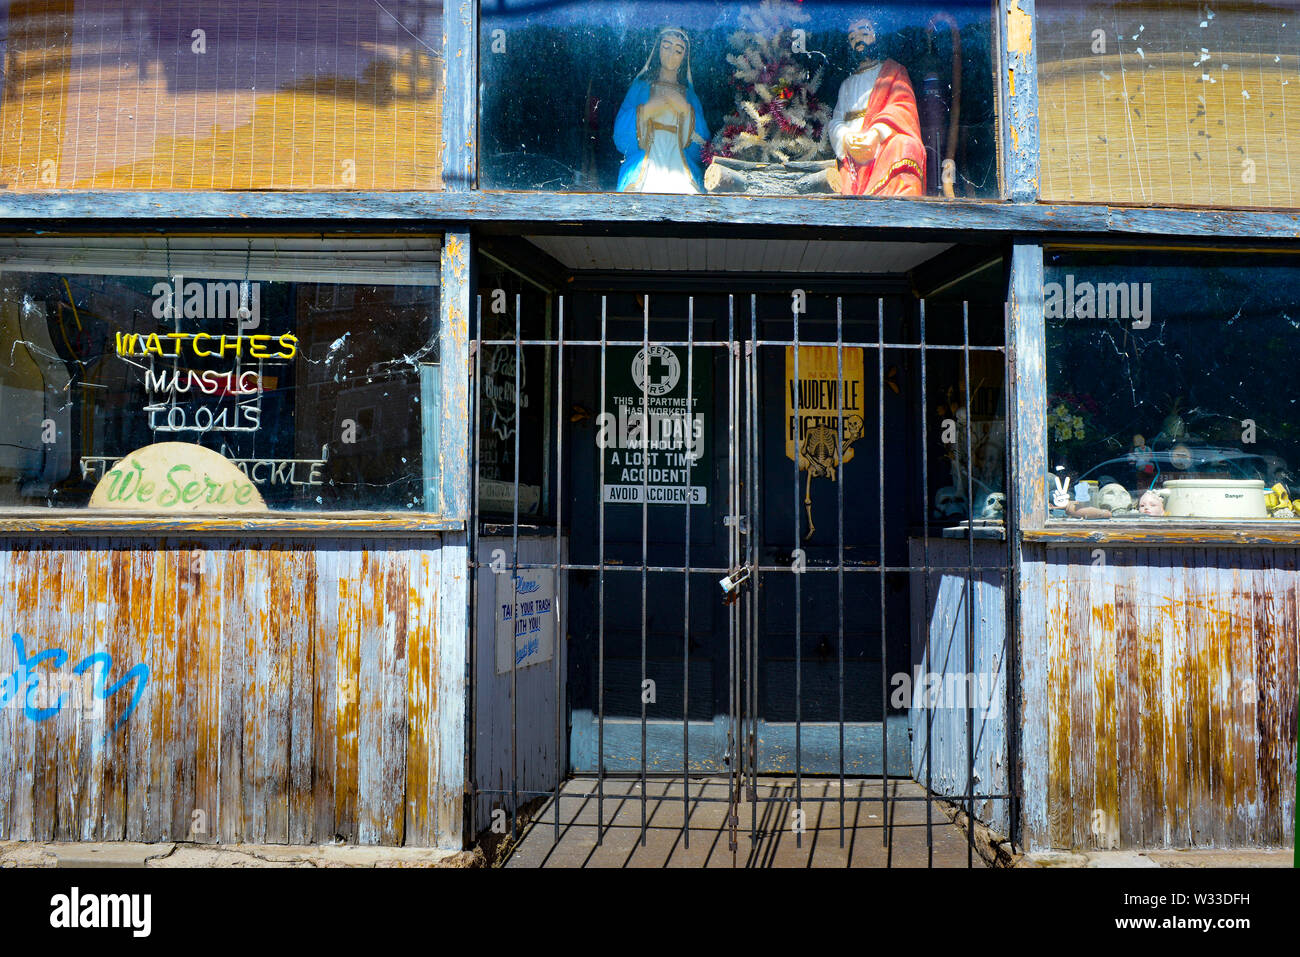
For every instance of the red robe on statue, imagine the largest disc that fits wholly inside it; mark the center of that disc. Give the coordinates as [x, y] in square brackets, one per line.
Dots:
[898, 168]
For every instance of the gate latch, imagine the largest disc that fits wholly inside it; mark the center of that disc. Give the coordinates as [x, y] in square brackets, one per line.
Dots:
[740, 520]
[731, 584]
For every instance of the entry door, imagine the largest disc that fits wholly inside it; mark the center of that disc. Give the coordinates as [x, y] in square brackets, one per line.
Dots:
[781, 670]
[825, 624]
[653, 679]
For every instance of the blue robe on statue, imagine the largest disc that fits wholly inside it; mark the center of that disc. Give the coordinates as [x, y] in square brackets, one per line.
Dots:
[625, 136]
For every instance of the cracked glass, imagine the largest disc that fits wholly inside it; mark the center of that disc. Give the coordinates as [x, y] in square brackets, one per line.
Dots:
[309, 376]
[1168, 101]
[1170, 380]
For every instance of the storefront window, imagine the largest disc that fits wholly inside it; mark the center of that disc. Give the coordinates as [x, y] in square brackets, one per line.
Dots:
[241, 94]
[779, 97]
[179, 375]
[1169, 101]
[1169, 382]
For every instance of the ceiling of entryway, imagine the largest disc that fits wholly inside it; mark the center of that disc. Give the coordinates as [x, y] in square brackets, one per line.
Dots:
[716, 255]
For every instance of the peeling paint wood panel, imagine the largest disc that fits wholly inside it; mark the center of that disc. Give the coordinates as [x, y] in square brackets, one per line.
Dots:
[939, 649]
[349, 661]
[300, 624]
[422, 590]
[1033, 655]
[243, 717]
[1175, 674]
[452, 692]
[327, 697]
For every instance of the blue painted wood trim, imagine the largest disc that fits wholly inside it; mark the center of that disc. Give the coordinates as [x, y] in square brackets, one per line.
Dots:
[100, 211]
[455, 297]
[1027, 339]
[430, 433]
[1019, 98]
[460, 98]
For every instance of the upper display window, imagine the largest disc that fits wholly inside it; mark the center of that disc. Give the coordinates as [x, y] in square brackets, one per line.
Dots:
[236, 95]
[1169, 101]
[779, 97]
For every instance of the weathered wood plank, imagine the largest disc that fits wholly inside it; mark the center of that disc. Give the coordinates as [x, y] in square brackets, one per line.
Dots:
[350, 598]
[1060, 805]
[1175, 598]
[233, 702]
[1083, 743]
[420, 740]
[326, 691]
[276, 730]
[300, 572]
[1106, 730]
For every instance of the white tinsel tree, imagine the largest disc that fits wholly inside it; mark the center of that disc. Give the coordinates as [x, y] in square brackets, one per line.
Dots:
[778, 117]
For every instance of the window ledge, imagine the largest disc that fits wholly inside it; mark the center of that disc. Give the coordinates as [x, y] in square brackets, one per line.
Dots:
[342, 524]
[1264, 532]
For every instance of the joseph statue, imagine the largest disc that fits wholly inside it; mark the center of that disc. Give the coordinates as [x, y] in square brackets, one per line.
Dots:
[875, 130]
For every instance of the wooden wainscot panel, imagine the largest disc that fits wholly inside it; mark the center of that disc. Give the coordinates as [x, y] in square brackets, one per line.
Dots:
[1170, 698]
[220, 690]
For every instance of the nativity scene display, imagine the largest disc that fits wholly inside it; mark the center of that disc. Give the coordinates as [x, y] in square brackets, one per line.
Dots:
[772, 97]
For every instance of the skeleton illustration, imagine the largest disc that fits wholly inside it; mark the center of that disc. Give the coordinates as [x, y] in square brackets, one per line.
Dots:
[822, 453]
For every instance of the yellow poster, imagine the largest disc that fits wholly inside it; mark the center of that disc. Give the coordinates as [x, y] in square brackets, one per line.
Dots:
[829, 417]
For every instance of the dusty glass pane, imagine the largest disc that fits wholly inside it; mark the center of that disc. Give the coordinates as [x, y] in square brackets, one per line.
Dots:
[241, 94]
[1171, 386]
[777, 98]
[321, 395]
[1167, 101]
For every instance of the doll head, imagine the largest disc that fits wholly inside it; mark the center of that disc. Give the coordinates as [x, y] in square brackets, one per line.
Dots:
[1151, 504]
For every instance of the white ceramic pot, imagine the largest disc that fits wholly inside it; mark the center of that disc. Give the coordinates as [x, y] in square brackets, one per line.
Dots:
[1216, 498]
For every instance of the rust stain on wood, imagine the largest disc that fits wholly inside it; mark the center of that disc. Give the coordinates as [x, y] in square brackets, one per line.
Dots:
[247, 721]
[1171, 696]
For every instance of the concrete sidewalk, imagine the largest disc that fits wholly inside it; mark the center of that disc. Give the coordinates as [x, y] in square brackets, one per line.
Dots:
[1188, 858]
[125, 854]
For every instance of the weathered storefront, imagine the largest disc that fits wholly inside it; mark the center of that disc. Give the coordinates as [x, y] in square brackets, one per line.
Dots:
[409, 407]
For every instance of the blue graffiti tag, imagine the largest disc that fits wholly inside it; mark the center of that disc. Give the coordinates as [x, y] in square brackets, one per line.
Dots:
[23, 680]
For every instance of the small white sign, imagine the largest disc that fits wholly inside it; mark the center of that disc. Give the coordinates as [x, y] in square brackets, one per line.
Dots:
[657, 494]
[527, 616]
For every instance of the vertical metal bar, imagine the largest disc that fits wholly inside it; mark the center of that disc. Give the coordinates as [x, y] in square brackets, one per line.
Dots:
[970, 596]
[798, 589]
[560, 644]
[755, 525]
[839, 529]
[476, 350]
[886, 820]
[645, 536]
[689, 432]
[600, 628]
[734, 729]
[925, 574]
[514, 592]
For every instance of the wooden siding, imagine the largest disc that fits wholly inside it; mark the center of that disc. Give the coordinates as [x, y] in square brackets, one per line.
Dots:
[1162, 689]
[295, 692]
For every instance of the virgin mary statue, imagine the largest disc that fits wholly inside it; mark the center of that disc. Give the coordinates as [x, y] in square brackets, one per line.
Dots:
[660, 126]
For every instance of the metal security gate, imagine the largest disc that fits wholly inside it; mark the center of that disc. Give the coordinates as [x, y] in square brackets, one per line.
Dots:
[727, 614]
